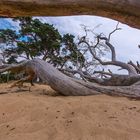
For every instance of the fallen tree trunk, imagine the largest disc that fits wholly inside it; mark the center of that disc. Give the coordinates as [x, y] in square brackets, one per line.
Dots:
[70, 86]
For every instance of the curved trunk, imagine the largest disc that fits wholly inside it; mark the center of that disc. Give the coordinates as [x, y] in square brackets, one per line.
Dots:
[70, 86]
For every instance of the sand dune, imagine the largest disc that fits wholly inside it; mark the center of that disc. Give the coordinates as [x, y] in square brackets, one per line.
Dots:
[36, 115]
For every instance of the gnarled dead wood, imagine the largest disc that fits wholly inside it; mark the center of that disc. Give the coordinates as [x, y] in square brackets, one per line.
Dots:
[109, 78]
[71, 86]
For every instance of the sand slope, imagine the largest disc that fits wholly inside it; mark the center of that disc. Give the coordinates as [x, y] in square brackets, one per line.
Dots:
[35, 116]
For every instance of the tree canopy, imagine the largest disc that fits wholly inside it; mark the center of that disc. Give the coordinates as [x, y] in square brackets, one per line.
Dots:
[38, 39]
[70, 56]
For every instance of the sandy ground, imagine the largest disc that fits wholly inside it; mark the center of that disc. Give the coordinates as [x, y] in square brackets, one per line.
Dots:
[35, 115]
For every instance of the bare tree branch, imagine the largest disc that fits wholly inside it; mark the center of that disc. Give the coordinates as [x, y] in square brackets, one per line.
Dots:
[128, 67]
[110, 46]
[116, 29]
[135, 66]
[104, 73]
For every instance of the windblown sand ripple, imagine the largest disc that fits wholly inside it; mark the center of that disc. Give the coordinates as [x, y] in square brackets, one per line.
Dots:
[35, 115]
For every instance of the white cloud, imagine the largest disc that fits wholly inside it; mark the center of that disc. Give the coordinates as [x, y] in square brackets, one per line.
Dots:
[125, 40]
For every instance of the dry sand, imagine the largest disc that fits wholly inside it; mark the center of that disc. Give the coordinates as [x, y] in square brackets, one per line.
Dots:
[35, 116]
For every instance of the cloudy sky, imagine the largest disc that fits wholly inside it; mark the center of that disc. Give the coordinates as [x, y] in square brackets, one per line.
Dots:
[125, 41]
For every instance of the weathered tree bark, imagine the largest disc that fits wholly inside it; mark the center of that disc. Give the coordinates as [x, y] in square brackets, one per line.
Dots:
[109, 78]
[126, 11]
[71, 86]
